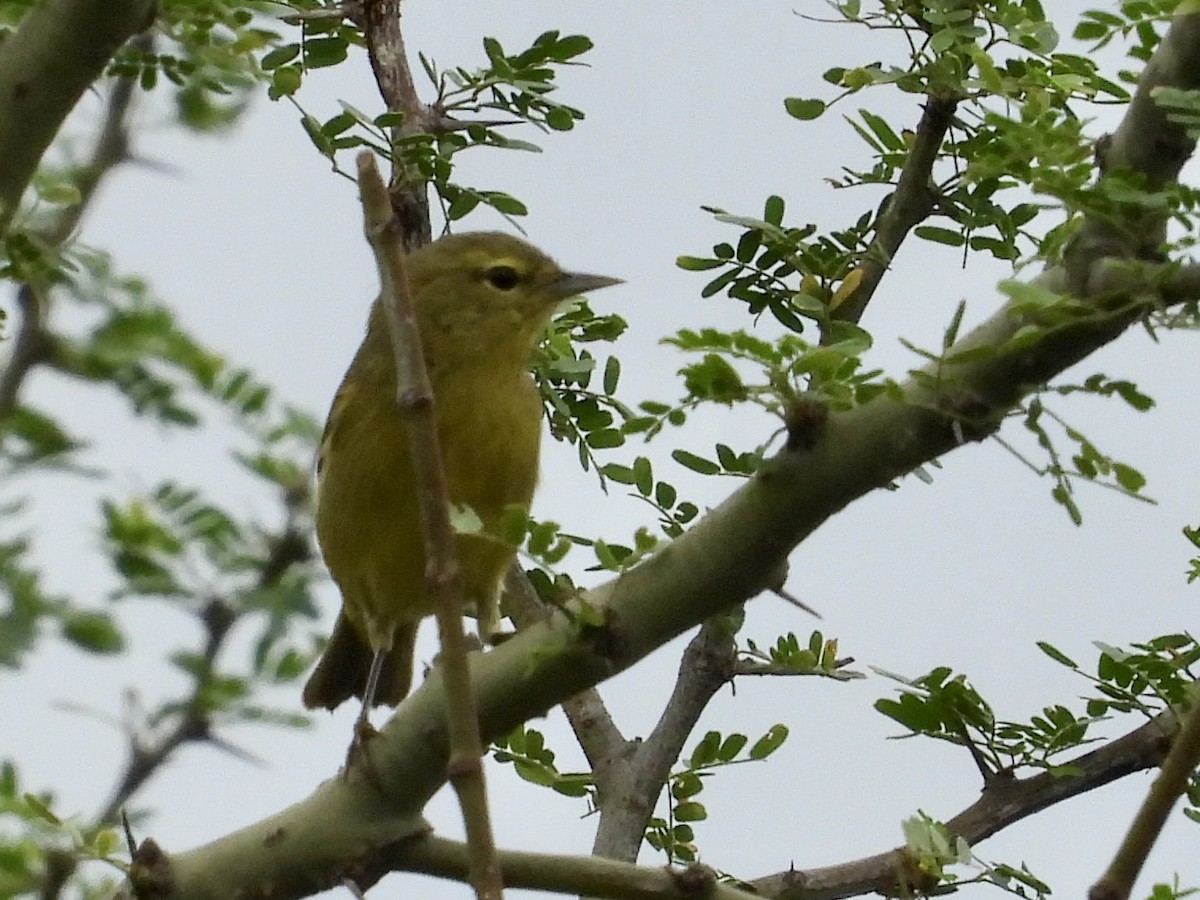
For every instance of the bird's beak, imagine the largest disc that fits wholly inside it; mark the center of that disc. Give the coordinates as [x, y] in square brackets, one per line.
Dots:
[571, 284]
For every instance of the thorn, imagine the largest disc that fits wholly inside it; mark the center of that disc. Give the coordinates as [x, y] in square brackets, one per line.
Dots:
[780, 592]
[130, 841]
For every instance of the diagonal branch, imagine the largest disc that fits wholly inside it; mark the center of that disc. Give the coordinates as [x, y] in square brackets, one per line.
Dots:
[353, 823]
[908, 206]
[630, 781]
[60, 49]
[389, 61]
[1172, 782]
[715, 565]
[597, 733]
[1003, 802]
[34, 343]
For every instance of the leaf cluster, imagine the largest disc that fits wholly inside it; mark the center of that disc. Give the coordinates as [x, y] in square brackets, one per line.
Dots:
[37, 846]
[673, 834]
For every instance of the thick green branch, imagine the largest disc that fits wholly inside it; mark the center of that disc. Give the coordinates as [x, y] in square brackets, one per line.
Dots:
[60, 49]
[348, 823]
[353, 825]
[1148, 143]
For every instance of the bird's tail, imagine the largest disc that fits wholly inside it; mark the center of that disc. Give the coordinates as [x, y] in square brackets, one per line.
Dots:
[341, 672]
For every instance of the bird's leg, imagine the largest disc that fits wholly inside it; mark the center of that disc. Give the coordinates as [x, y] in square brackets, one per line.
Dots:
[368, 696]
[363, 729]
[491, 623]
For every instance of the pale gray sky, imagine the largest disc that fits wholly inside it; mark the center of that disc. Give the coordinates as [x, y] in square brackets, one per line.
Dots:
[260, 247]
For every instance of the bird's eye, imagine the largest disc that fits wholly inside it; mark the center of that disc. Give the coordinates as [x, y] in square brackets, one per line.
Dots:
[504, 278]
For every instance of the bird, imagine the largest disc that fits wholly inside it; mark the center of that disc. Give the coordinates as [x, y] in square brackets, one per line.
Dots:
[481, 301]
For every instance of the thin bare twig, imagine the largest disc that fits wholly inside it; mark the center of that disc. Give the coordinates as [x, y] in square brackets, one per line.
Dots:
[409, 194]
[908, 206]
[574, 874]
[30, 349]
[194, 724]
[414, 397]
[1168, 787]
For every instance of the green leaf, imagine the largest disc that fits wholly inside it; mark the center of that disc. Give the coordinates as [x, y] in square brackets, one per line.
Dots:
[880, 128]
[570, 46]
[618, 473]
[705, 753]
[696, 264]
[560, 119]
[690, 812]
[95, 632]
[1057, 655]
[40, 809]
[285, 81]
[665, 495]
[1128, 477]
[503, 203]
[696, 463]
[769, 742]
[612, 374]
[685, 785]
[280, 55]
[939, 235]
[773, 210]
[804, 109]
[605, 439]
[731, 747]
[643, 476]
[323, 52]
[714, 378]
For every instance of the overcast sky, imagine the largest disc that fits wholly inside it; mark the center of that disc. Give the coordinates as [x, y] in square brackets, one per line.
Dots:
[260, 247]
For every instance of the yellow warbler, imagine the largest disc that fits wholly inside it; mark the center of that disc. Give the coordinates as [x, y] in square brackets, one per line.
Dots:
[481, 301]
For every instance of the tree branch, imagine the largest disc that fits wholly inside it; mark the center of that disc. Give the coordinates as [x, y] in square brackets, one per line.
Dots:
[1171, 783]
[60, 49]
[145, 759]
[1004, 801]
[630, 781]
[578, 875]
[1148, 143]
[597, 733]
[31, 347]
[389, 61]
[351, 823]
[414, 397]
[907, 206]
[718, 563]
[34, 343]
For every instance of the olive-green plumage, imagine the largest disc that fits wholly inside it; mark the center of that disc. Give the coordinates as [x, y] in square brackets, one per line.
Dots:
[481, 301]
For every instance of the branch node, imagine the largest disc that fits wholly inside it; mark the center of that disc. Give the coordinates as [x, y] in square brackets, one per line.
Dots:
[150, 872]
[696, 880]
[805, 418]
